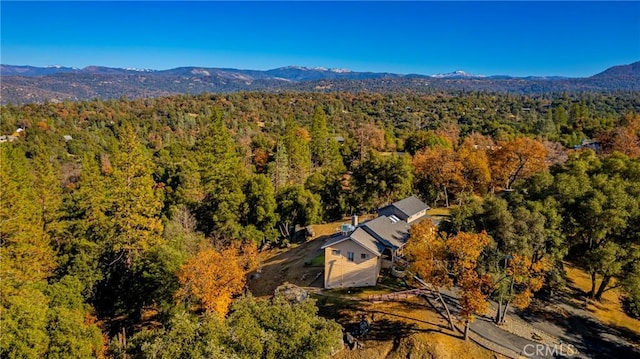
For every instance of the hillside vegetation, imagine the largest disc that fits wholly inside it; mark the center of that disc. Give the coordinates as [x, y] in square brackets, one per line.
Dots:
[127, 226]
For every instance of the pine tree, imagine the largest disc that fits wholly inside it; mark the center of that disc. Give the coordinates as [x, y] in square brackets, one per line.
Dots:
[89, 226]
[26, 261]
[47, 187]
[260, 205]
[324, 149]
[297, 142]
[280, 173]
[319, 138]
[223, 177]
[135, 206]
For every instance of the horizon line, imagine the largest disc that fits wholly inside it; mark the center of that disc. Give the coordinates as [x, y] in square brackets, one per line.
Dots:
[317, 68]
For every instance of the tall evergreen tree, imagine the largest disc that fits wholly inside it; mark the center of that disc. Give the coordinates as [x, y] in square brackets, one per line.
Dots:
[88, 224]
[135, 206]
[324, 149]
[223, 176]
[260, 206]
[319, 137]
[281, 167]
[27, 261]
[297, 142]
[47, 187]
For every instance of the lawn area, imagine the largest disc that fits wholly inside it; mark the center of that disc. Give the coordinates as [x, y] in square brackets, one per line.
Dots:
[318, 261]
[609, 311]
[440, 212]
[327, 229]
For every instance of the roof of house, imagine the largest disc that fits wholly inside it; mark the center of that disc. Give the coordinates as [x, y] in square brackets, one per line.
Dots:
[392, 233]
[410, 205]
[390, 229]
[359, 236]
[366, 240]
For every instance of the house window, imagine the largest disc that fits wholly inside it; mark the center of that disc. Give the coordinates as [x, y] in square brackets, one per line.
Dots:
[350, 256]
[335, 252]
[363, 256]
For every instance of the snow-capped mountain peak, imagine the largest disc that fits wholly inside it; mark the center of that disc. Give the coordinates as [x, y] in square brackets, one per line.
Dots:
[456, 74]
[138, 69]
[318, 68]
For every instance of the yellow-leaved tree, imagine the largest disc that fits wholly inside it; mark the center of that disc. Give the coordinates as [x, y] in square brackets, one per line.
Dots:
[465, 249]
[427, 253]
[529, 276]
[213, 277]
[438, 169]
[517, 159]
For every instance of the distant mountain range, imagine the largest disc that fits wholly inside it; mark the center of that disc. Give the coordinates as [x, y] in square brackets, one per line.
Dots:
[457, 75]
[289, 73]
[24, 84]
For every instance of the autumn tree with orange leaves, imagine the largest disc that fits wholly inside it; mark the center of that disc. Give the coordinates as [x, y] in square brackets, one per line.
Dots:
[473, 154]
[525, 249]
[465, 250]
[213, 277]
[517, 159]
[427, 253]
[438, 170]
[626, 138]
[369, 136]
[528, 275]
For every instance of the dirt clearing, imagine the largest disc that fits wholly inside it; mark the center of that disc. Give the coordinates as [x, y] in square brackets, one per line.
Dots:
[399, 329]
[299, 264]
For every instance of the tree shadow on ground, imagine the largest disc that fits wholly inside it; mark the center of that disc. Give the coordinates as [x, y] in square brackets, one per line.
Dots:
[590, 336]
[438, 327]
[335, 307]
[573, 296]
[387, 329]
[580, 300]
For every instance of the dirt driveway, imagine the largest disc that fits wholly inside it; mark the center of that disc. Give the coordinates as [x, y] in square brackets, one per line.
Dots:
[293, 265]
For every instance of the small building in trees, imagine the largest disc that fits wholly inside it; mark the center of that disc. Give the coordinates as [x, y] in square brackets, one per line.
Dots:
[590, 144]
[355, 256]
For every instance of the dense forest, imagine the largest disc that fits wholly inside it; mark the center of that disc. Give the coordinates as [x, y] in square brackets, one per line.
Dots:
[127, 226]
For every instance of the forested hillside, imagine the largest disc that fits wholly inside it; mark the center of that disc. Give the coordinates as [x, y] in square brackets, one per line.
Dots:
[128, 226]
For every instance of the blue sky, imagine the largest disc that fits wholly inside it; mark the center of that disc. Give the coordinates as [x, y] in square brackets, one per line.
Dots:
[515, 38]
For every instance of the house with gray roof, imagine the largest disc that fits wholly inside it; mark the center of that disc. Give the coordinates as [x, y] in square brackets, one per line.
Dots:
[408, 209]
[355, 256]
